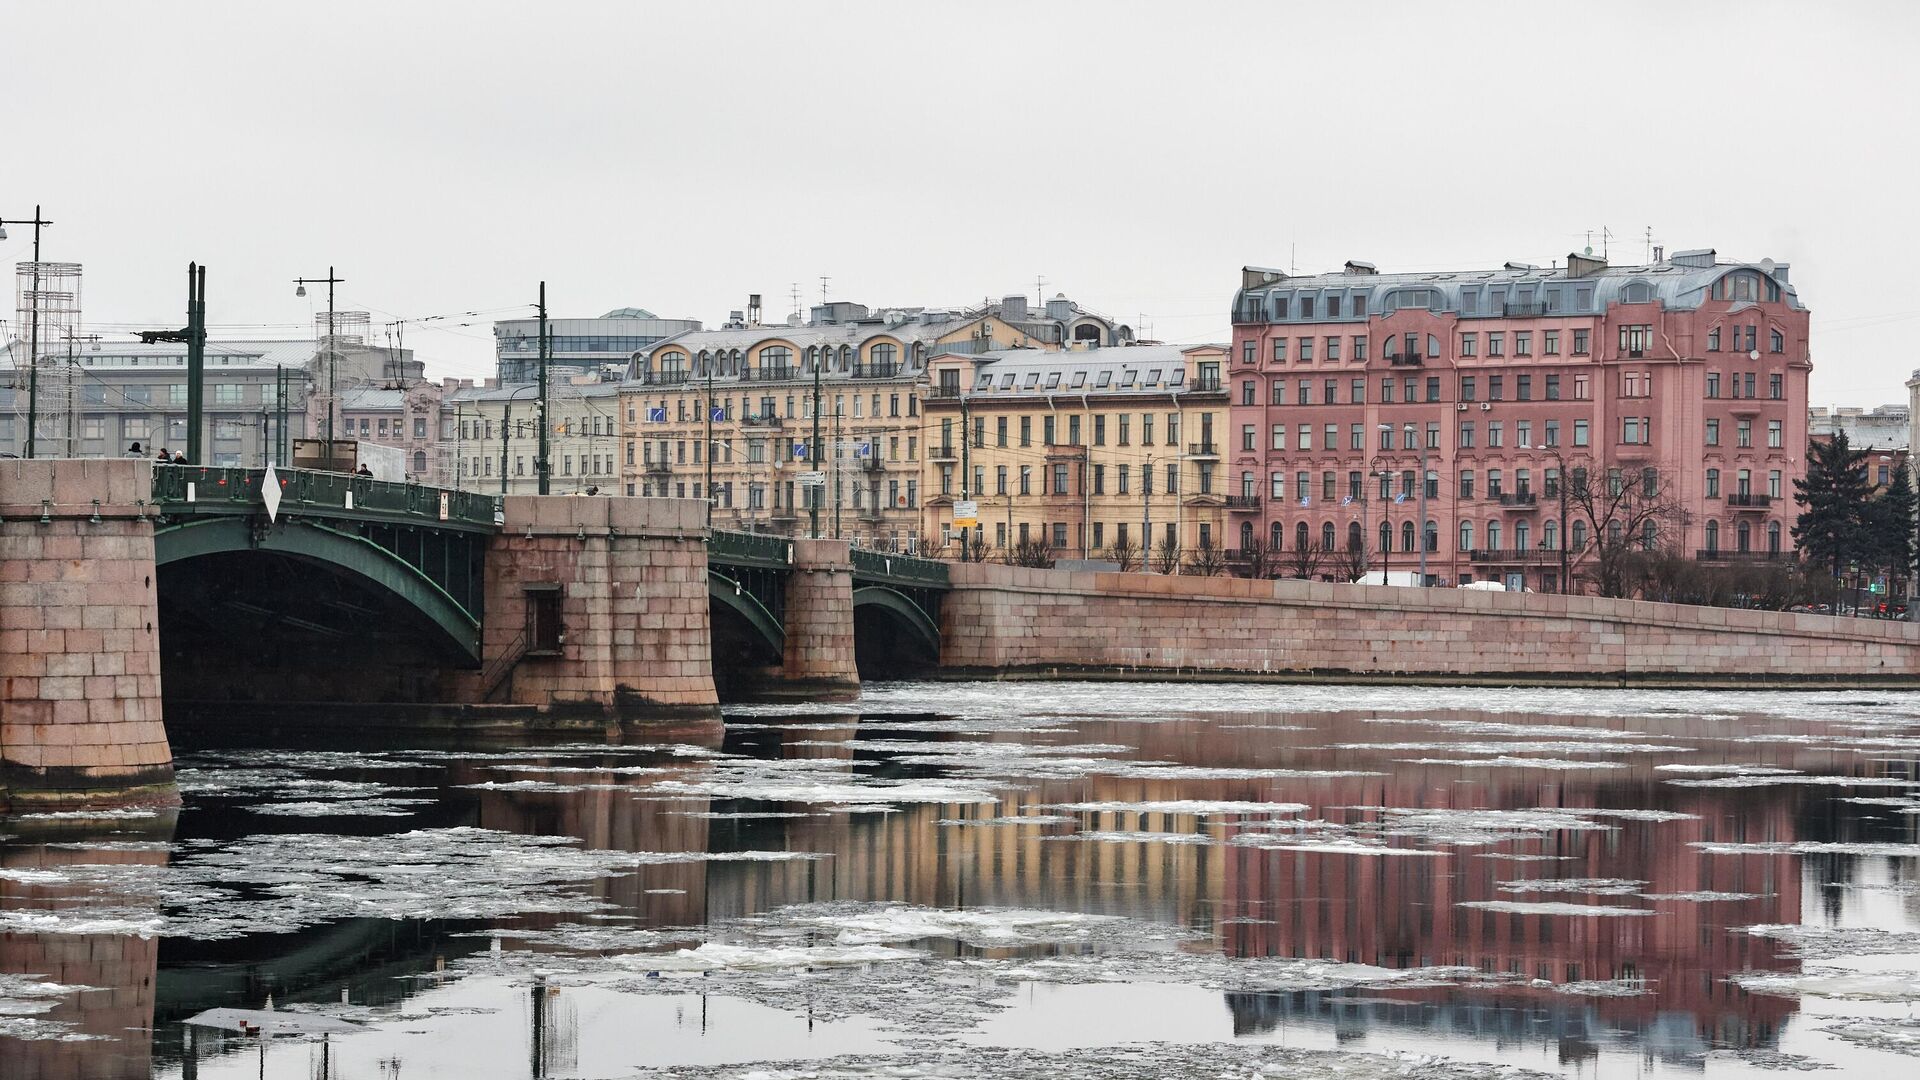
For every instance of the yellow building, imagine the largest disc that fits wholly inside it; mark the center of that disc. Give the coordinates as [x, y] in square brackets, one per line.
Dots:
[729, 414]
[1079, 449]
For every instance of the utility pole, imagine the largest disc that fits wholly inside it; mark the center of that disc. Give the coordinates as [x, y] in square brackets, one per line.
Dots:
[540, 464]
[966, 467]
[333, 352]
[709, 408]
[195, 338]
[836, 470]
[813, 494]
[72, 367]
[33, 327]
[1423, 510]
[1146, 515]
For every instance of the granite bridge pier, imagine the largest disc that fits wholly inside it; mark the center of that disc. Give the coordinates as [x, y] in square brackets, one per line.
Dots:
[132, 595]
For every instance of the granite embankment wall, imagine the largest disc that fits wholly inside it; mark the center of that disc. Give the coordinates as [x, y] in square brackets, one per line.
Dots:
[1010, 620]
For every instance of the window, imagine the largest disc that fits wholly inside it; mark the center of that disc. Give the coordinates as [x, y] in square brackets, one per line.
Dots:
[1279, 436]
[1635, 340]
[1773, 436]
[1099, 479]
[1495, 434]
[1357, 392]
[1579, 433]
[1773, 484]
[1466, 483]
[1713, 384]
[1550, 342]
[1000, 431]
[1581, 342]
[1247, 436]
[1433, 435]
[1026, 479]
[1582, 388]
[1630, 430]
[1776, 342]
[1776, 388]
[1552, 437]
[1523, 433]
[1468, 391]
[1306, 349]
[1523, 343]
[1247, 350]
[1553, 388]
[1496, 344]
[1359, 341]
[1279, 350]
[1247, 392]
[1356, 437]
[1743, 434]
[1330, 437]
[1386, 391]
[1523, 388]
[1713, 483]
[1123, 418]
[1713, 340]
[1466, 536]
[1466, 435]
[1433, 388]
[1333, 348]
[1496, 388]
[1469, 344]
[1329, 391]
[1305, 438]
[1328, 486]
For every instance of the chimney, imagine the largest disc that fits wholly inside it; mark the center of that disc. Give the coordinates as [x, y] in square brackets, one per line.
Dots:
[1014, 308]
[753, 309]
[1579, 265]
[1361, 269]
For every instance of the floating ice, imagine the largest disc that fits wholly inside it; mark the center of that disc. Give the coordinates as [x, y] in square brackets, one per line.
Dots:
[1122, 837]
[1589, 886]
[1809, 847]
[1505, 762]
[1880, 1033]
[1833, 983]
[1517, 907]
[1604, 988]
[1328, 847]
[342, 808]
[1777, 780]
[1028, 819]
[124, 813]
[875, 924]
[1199, 807]
[1735, 770]
[1706, 896]
[1830, 942]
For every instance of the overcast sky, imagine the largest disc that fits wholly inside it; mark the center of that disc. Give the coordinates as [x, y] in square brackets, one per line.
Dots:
[445, 157]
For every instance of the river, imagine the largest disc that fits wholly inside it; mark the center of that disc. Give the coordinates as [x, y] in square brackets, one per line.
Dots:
[1006, 880]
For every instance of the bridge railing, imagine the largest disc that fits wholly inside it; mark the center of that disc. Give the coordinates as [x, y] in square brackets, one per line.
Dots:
[308, 491]
[903, 568]
[758, 549]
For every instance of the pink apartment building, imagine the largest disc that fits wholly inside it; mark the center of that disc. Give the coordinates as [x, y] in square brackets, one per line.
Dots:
[1352, 392]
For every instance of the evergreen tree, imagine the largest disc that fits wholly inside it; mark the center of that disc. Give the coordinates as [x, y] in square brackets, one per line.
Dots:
[1835, 523]
[1893, 525]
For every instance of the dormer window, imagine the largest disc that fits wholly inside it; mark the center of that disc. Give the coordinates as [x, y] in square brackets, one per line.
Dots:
[1006, 381]
[1153, 377]
[1053, 380]
[1103, 380]
[985, 382]
[1127, 377]
[1636, 292]
[1079, 379]
[1032, 380]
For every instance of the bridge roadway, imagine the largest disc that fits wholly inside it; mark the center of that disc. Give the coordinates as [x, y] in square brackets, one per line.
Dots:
[465, 609]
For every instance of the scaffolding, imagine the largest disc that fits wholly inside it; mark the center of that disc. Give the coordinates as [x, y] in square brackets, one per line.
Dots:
[47, 306]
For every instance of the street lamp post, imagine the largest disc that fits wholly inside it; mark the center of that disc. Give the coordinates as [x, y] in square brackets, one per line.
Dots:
[33, 326]
[506, 429]
[333, 350]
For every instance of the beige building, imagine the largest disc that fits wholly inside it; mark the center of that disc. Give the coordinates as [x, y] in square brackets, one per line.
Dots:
[1080, 449]
[495, 437]
[729, 414]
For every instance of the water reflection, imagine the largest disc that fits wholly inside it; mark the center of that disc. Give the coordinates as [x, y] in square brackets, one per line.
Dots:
[1429, 839]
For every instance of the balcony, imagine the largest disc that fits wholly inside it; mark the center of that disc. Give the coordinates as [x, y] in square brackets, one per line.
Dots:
[1722, 555]
[1517, 498]
[659, 468]
[1208, 449]
[1530, 310]
[872, 463]
[876, 371]
[768, 421]
[943, 393]
[942, 453]
[1249, 316]
[1523, 557]
[1749, 501]
[665, 378]
[769, 374]
[1404, 359]
[1204, 384]
[1243, 502]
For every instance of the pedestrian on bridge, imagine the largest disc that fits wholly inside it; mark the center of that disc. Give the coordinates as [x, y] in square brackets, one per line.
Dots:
[135, 451]
[164, 458]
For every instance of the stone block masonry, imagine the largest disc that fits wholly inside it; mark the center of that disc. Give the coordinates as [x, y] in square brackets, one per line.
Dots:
[818, 663]
[79, 636]
[1002, 620]
[629, 575]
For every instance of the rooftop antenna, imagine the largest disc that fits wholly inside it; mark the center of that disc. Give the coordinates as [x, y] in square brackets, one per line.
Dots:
[1649, 245]
[823, 287]
[1039, 291]
[1293, 261]
[796, 298]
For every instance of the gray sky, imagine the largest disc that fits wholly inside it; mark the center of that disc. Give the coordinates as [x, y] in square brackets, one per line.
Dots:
[447, 156]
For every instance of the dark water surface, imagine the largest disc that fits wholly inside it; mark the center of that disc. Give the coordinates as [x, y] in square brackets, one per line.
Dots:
[1004, 880]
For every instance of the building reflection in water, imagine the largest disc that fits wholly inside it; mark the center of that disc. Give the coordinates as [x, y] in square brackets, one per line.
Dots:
[114, 1018]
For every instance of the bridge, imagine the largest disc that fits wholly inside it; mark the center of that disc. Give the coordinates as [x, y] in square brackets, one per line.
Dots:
[443, 607]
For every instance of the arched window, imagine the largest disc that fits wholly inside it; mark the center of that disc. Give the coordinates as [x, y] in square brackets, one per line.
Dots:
[1246, 485]
[1466, 536]
[1773, 538]
[775, 359]
[1522, 535]
[1550, 535]
[419, 464]
[1433, 346]
[1636, 292]
[1275, 534]
[1246, 535]
[1386, 537]
[1430, 538]
[1300, 542]
[1650, 535]
[1713, 536]
[1354, 541]
[1493, 536]
[738, 366]
[1406, 536]
[1743, 537]
[1578, 535]
[882, 356]
[846, 358]
[1326, 536]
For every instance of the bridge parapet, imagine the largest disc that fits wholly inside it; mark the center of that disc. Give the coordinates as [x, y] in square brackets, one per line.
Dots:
[185, 489]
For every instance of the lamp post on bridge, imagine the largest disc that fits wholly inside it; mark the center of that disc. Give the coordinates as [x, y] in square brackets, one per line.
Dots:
[33, 327]
[333, 350]
[506, 430]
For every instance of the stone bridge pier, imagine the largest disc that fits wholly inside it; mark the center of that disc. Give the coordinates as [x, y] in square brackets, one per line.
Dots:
[595, 607]
[79, 636]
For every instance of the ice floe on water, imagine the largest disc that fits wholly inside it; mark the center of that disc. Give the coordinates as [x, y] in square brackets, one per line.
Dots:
[1196, 807]
[1706, 896]
[1520, 907]
[1513, 749]
[24, 1002]
[1587, 886]
[1782, 780]
[1603, 988]
[1507, 762]
[1808, 847]
[1131, 1061]
[1830, 942]
[124, 813]
[1026, 819]
[1899, 1036]
[1729, 769]
[341, 808]
[854, 923]
[1123, 837]
[1828, 982]
[772, 787]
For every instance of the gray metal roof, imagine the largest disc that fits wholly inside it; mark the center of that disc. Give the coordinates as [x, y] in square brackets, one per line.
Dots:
[1680, 282]
[1136, 369]
[134, 356]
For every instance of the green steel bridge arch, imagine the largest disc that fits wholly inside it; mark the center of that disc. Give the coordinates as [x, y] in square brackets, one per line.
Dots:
[424, 547]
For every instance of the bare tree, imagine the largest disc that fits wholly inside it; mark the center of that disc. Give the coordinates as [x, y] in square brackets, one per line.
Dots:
[1125, 552]
[1305, 559]
[1034, 552]
[1354, 561]
[1166, 555]
[977, 545]
[1207, 560]
[1259, 558]
[1626, 515]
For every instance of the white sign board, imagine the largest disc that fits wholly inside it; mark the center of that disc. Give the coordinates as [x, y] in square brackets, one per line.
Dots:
[270, 493]
[813, 479]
